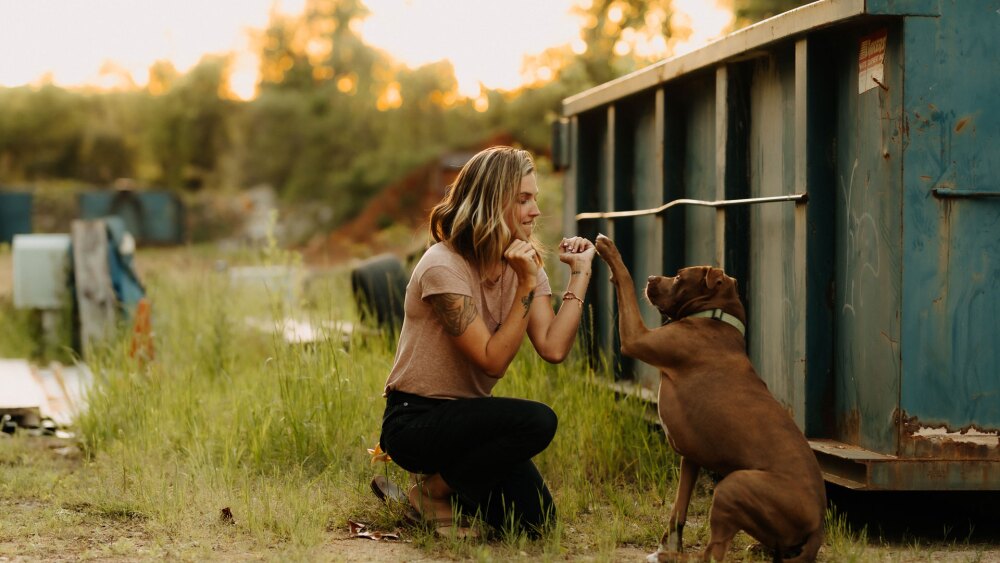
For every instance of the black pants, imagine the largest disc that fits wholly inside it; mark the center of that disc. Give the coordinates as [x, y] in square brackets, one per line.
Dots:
[482, 448]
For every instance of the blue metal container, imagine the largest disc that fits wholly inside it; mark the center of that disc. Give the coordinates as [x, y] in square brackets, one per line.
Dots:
[152, 216]
[15, 214]
[840, 160]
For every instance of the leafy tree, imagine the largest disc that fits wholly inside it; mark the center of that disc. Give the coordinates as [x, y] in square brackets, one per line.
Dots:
[39, 132]
[110, 136]
[335, 119]
[610, 31]
[189, 127]
[752, 11]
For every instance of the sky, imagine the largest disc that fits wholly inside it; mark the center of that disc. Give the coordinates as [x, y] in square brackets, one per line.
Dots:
[108, 43]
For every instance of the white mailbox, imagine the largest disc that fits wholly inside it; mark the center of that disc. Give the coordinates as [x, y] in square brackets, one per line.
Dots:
[41, 270]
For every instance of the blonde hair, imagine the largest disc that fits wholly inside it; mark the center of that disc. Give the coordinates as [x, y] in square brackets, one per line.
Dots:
[471, 215]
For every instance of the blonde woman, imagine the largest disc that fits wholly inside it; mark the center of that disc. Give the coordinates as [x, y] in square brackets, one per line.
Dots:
[470, 301]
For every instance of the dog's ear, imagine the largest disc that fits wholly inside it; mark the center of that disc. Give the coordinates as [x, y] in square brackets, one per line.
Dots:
[714, 278]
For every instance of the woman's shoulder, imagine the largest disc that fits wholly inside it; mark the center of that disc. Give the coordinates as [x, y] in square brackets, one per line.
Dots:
[441, 254]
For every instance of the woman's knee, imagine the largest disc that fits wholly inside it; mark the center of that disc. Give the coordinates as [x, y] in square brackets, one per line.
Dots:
[542, 420]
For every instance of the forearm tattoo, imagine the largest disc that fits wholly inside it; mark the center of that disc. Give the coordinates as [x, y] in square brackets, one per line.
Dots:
[526, 301]
[456, 312]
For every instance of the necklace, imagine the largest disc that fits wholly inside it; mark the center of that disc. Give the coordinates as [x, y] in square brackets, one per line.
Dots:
[486, 304]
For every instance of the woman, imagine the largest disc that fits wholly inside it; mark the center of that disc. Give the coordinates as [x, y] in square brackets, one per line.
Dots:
[471, 299]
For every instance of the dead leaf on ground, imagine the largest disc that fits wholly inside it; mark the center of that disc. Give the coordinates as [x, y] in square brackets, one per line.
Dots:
[358, 531]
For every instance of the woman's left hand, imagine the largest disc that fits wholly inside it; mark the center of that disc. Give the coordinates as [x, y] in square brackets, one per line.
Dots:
[576, 251]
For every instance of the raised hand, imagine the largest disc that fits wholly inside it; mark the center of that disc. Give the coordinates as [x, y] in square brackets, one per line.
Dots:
[523, 259]
[577, 252]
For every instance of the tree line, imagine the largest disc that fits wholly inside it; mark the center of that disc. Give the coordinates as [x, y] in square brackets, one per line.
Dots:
[334, 118]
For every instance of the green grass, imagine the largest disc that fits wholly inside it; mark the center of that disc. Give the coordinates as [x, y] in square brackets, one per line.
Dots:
[227, 416]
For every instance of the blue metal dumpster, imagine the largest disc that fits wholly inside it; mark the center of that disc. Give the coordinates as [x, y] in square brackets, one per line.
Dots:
[841, 161]
[15, 214]
[152, 216]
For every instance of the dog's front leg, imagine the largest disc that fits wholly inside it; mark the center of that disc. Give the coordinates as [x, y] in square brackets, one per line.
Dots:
[672, 543]
[678, 516]
[631, 328]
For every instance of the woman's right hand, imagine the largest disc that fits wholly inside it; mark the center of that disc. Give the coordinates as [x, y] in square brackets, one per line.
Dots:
[523, 260]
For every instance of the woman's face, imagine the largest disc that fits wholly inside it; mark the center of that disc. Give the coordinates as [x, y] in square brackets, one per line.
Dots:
[522, 214]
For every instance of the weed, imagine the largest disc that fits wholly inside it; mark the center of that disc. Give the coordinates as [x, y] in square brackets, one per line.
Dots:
[843, 542]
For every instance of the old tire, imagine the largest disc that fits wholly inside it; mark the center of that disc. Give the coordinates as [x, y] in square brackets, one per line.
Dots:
[379, 286]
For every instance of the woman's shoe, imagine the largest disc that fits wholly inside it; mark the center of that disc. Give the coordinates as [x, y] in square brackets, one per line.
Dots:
[388, 491]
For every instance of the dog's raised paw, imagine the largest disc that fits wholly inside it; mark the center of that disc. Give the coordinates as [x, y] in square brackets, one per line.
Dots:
[605, 247]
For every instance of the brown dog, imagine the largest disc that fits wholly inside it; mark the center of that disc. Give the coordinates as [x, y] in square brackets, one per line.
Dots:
[718, 414]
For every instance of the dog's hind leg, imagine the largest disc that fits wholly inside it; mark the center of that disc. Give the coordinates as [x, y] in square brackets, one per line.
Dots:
[724, 521]
[809, 549]
[736, 505]
[770, 508]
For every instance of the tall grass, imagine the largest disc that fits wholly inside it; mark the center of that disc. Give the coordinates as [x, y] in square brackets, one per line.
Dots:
[228, 416]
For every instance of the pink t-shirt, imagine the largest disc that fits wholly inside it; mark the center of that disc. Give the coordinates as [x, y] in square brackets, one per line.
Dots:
[427, 361]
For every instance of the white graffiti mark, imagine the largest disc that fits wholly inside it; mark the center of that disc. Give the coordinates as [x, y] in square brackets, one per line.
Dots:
[862, 244]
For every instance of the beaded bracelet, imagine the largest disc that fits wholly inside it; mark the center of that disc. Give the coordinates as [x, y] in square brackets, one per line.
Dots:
[569, 295]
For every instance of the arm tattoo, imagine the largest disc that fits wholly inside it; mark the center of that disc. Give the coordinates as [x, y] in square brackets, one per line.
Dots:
[455, 312]
[526, 301]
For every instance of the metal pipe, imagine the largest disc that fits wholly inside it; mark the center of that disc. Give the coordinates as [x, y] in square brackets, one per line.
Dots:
[803, 198]
[949, 192]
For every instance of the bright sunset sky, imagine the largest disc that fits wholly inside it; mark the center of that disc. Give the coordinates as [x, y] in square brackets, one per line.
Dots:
[107, 42]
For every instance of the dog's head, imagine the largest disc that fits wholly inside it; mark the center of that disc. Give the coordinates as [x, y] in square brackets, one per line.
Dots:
[695, 289]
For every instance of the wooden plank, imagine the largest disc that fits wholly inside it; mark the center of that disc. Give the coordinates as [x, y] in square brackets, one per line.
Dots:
[67, 388]
[32, 393]
[94, 292]
[22, 393]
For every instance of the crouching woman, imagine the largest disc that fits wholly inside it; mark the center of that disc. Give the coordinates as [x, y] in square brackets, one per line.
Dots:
[471, 299]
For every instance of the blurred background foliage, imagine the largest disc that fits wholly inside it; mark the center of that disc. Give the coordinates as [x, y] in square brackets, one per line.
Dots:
[334, 118]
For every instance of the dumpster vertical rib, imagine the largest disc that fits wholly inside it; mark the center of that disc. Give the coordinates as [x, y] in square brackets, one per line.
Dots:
[799, 359]
[570, 226]
[606, 198]
[659, 134]
[721, 144]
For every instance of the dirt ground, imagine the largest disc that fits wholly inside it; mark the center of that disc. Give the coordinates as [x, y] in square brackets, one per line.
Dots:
[40, 527]
[43, 526]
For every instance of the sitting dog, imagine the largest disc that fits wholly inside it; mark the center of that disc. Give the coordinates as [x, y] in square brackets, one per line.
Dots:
[718, 414]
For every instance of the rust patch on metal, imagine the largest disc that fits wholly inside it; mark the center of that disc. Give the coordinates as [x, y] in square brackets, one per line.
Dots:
[934, 440]
[961, 124]
[849, 427]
